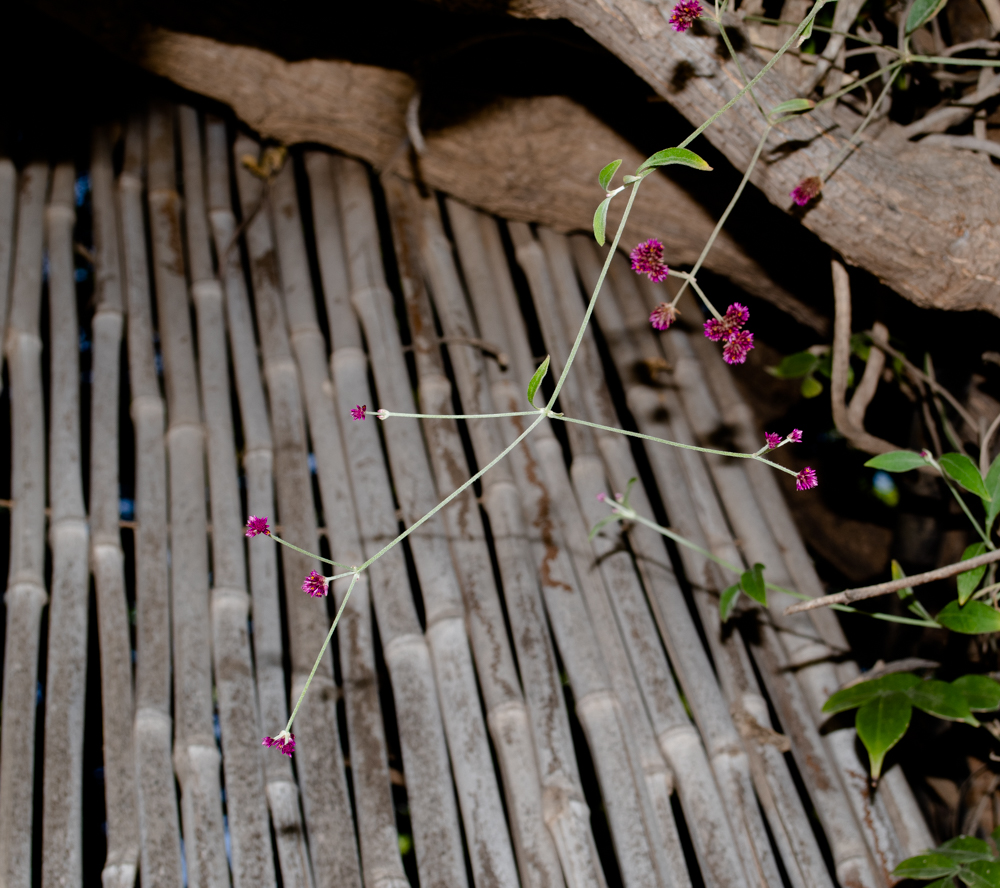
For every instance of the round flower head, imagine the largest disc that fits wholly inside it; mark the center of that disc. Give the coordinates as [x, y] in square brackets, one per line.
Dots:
[257, 526]
[315, 584]
[284, 743]
[773, 440]
[359, 411]
[796, 436]
[663, 316]
[806, 479]
[734, 319]
[684, 15]
[807, 190]
[647, 259]
[737, 346]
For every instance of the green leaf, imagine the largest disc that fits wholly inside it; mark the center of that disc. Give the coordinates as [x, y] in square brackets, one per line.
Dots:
[993, 486]
[628, 491]
[907, 595]
[604, 522]
[674, 155]
[926, 866]
[601, 220]
[811, 387]
[793, 366]
[861, 346]
[982, 693]
[896, 461]
[946, 882]
[752, 582]
[881, 724]
[792, 106]
[981, 874]
[942, 700]
[969, 580]
[975, 618]
[727, 601]
[859, 694]
[608, 173]
[536, 380]
[966, 849]
[960, 468]
[922, 12]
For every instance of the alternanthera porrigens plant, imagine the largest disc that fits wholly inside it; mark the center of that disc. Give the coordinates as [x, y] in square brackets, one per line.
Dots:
[647, 258]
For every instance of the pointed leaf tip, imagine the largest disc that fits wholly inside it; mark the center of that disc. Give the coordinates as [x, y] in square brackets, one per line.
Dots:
[536, 380]
[608, 173]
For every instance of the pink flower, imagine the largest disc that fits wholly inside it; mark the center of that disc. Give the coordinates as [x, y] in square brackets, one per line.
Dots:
[284, 743]
[663, 316]
[601, 497]
[736, 316]
[796, 436]
[773, 440]
[257, 526]
[315, 584]
[359, 411]
[807, 190]
[647, 259]
[737, 346]
[806, 479]
[684, 15]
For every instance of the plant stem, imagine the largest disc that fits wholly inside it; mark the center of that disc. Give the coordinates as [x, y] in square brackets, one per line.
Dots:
[278, 539]
[853, 141]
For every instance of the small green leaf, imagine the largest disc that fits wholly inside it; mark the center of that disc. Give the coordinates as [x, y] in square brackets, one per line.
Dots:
[601, 220]
[857, 695]
[811, 387]
[628, 491]
[966, 849]
[793, 366]
[975, 618]
[942, 700]
[896, 461]
[608, 173]
[946, 882]
[752, 582]
[982, 693]
[907, 595]
[674, 155]
[861, 346]
[922, 12]
[969, 580]
[960, 468]
[536, 380]
[727, 601]
[926, 866]
[881, 724]
[604, 522]
[792, 106]
[981, 874]
[993, 486]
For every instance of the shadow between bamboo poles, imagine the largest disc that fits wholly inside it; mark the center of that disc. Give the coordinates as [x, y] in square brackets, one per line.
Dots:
[8, 218]
[323, 783]
[246, 806]
[66, 672]
[26, 595]
[430, 795]
[687, 492]
[159, 821]
[196, 757]
[282, 793]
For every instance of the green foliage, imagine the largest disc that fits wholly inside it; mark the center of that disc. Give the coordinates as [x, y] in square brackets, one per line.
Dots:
[601, 220]
[790, 108]
[608, 173]
[967, 857]
[794, 366]
[922, 12]
[727, 601]
[907, 596]
[961, 469]
[669, 156]
[881, 724]
[811, 387]
[975, 618]
[992, 482]
[969, 580]
[896, 461]
[981, 692]
[536, 380]
[751, 583]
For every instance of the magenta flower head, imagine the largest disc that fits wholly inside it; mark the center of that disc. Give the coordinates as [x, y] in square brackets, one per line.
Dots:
[806, 479]
[315, 584]
[773, 440]
[284, 743]
[807, 190]
[796, 436]
[602, 496]
[663, 316]
[647, 259]
[257, 526]
[684, 15]
[359, 411]
[737, 346]
[734, 319]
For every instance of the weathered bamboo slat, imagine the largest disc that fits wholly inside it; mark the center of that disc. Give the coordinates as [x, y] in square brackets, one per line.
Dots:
[281, 790]
[159, 823]
[8, 216]
[26, 595]
[62, 769]
[323, 783]
[196, 756]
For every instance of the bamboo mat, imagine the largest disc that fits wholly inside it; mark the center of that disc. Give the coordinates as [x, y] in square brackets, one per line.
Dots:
[506, 702]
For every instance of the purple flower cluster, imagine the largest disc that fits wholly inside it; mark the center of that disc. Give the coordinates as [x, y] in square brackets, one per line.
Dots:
[663, 316]
[807, 190]
[738, 341]
[358, 412]
[315, 584]
[257, 526]
[775, 440]
[684, 15]
[647, 259]
[284, 743]
[806, 479]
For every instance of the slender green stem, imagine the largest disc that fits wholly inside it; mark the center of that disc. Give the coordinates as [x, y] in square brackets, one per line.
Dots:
[393, 415]
[949, 60]
[764, 20]
[278, 539]
[854, 84]
[739, 65]
[322, 650]
[961, 502]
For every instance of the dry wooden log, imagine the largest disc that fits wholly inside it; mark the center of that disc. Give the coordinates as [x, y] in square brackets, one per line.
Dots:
[8, 206]
[62, 771]
[159, 822]
[25, 596]
[196, 756]
[327, 808]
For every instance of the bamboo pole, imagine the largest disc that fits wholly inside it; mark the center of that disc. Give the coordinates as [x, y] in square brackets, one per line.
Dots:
[8, 218]
[246, 803]
[281, 790]
[319, 758]
[66, 674]
[196, 756]
[26, 595]
[159, 824]
[430, 795]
